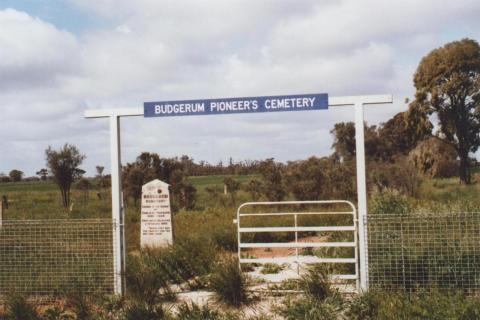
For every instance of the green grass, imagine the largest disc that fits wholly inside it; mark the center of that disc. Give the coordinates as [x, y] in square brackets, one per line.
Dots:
[7, 187]
[203, 181]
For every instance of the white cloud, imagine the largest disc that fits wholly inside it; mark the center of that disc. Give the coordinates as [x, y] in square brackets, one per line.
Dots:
[33, 52]
[162, 50]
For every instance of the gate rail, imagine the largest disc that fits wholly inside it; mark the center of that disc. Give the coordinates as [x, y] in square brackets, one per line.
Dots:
[296, 229]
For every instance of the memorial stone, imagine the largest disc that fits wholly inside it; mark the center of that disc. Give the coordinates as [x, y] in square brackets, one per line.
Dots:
[156, 217]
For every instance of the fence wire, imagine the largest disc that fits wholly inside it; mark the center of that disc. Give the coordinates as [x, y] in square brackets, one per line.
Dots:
[46, 258]
[413, 252]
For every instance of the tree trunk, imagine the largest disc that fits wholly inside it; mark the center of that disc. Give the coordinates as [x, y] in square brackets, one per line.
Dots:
[464, 169]
[65, 198]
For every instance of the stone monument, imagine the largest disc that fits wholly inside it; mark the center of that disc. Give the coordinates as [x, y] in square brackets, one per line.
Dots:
[156, 216]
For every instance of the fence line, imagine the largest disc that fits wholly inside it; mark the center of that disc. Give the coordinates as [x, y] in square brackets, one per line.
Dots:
[412, 252]
[44, 258]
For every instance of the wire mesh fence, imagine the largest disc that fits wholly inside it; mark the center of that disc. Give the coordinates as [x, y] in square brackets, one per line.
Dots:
[46, 258]
[413, 252]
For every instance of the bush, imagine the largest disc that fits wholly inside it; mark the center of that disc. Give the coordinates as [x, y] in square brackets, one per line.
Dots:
[144, 311]
[17, 308]
[389, 202]
[229, 283]
[316, 283]
[310, 309]
[423, 305]
[400, 175]
[80, 305]
[57, 313]
[270, 268]
[194, 312]
[434, 158]
[145, 276]
[321, 178]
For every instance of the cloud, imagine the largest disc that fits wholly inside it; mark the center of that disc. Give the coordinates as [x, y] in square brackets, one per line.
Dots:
[161, 50]
[33, 52]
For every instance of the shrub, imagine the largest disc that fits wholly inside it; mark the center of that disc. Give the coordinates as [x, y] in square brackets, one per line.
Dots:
[145, 276]
[423, 305]
[186, 262]
[80, 306]
[389, 202]
[270, 268]
[434, 158]
[17, 308]
[144, 311]
[400, 175]
[229, 283]
[310, 309]
[316, 283]
[57, 313]
[195, 312]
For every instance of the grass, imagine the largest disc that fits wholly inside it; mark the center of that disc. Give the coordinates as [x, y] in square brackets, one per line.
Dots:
[271, 268]
[229, 283]
[207, 231]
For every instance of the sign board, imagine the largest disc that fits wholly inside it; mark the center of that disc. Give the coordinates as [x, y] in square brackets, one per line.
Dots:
[301, 102]
[156, 216]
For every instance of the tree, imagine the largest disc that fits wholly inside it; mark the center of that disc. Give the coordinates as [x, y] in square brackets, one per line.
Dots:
[254, 187]
[272, 173]
[149, 166]
[401, 133]
[43, 174]
[133, 180]
[183, 192]
[15, 175]
[84, 185]
[434, 158]
[447, 83]
[344, 141]
[99, 170]
[321, 179]
[64, 167]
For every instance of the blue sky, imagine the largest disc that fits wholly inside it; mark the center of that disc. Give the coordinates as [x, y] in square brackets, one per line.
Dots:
[59, 58]
[61, 13]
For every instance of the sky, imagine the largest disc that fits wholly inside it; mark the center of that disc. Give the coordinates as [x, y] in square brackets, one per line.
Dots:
[59, 58]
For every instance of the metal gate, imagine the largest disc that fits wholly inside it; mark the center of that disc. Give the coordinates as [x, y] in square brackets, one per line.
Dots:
[295, 233]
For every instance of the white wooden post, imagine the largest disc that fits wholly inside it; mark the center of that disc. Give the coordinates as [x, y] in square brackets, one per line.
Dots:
[361, 192]
[117, 209]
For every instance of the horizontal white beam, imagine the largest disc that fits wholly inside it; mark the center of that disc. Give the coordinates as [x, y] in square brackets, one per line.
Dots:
[343, 277]
[298, 245]
[332, 102]
[120, 112]
[352, 100]
[298, 229]
[300, 259]
[249, 214]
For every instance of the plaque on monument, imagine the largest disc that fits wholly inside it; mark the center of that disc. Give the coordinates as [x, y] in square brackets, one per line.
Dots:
[156, 217]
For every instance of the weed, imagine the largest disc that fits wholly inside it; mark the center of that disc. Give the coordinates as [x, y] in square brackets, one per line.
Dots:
[271, 268]
[309, 309]
[390, 202]
[144, 311]
[195, 312]
[17, 308]
[316, 283]
[229, 283]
